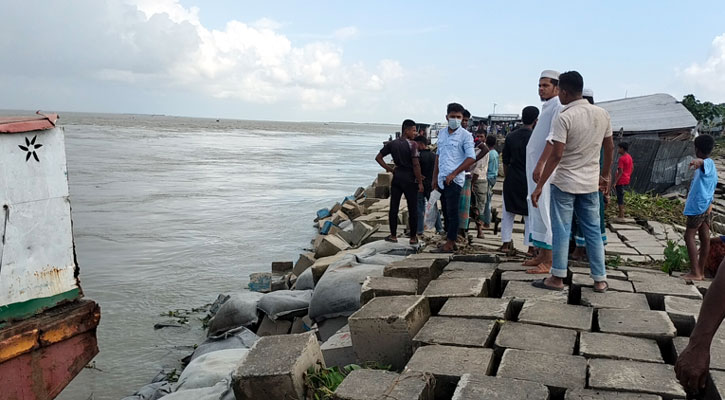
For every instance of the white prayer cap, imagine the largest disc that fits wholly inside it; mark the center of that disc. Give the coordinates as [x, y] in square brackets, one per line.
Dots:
[587, 93]
[550, 73]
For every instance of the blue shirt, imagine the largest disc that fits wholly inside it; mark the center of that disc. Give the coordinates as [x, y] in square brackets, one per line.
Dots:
[492, 164]
[702, 189]
[453, 149]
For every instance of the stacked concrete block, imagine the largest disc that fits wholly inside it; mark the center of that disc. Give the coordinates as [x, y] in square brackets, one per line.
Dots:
[514, 335]
[440, 290]
[477, 387]
[275, 367]
[351, 209]
[634, 376]
[477, 307]
[422, 270]
[330, 245]
[557, 371]
[557, 315]
[617, 347]
[449, 363]
[381, 286]
[647, 324]
[365, 384]
[456, 332]
[397, 319]
[359, 233]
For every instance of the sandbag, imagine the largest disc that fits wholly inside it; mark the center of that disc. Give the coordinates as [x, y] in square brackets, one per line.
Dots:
[239, 310]
[337, 294]
[152, 391]
[385, 247]
[220, 391]
[211, 368]
[379, 259]
[238, 338]
[306, 281]
[281, 303]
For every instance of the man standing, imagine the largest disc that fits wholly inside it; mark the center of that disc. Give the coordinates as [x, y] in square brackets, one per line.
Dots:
[491, 178]
[455, 156]
[514, 160]
[479, 183]
[625, 166]
[579, 133]
[407, 178]
[427, 165]
[540, 218]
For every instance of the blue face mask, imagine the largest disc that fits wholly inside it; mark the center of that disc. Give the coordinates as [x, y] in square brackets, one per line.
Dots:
[454, 123]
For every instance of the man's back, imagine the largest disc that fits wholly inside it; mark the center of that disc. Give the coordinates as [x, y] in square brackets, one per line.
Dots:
[514, 151]
[402, 150]
[427, 165]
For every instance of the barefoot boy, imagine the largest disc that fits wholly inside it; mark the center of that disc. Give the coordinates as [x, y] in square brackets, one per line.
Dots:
[698, 207]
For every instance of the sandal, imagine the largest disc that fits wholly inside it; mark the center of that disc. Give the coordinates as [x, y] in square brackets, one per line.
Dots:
[414, 240]
[441, 250]
[541, 284]
[391, 239]
[602, 290]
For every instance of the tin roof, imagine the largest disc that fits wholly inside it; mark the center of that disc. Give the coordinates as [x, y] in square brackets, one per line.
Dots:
[27, 123]
[656, 112]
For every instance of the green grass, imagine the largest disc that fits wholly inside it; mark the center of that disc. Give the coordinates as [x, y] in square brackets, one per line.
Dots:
[649, 207]
[676, 258]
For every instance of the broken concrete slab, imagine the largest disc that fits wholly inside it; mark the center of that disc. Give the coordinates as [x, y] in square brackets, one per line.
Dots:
[717, 350]
[514, 335]
[648, 324]
[449, 363]
[588, 394]
[619, 300]
[617, 347]
[519, 292]
[396, 318]
[365, 384]
[380, 286]
[476, 387]
[440, 290]
[557, 371]
[331, 245]
[275, 367]
[557, 315]
[466, 332]
[305, 261]
[614, 284]
[337, 350]
[477, 307]
[422, 270]
[683, 312]
[635, 376]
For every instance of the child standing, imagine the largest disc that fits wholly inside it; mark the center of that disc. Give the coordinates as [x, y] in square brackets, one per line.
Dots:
[698, 207]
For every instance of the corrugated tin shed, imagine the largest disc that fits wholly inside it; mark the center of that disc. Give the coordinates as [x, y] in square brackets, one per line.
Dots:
[655, 114]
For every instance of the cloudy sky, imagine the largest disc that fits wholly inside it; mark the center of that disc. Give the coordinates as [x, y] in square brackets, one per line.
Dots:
[365, 61]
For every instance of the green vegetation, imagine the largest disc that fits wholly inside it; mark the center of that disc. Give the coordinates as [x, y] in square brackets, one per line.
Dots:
[676, 258]
[651, 208]
[321, 384]
[614, 261]
[705, 112]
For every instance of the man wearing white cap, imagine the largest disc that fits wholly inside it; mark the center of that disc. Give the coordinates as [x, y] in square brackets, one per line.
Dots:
[539, 217]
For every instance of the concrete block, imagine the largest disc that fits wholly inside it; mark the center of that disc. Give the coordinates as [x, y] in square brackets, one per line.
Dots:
[275, 367]
[519, 276]
[281, 267]
[443, 257]
[380, 286]
[716, 390]
[477, 307]
[520, 292]
[557, 315]
[717, 351]
[557, 371]
[477, 387]
[659, 288]
[648, 324]
[385, 179]
[331, 245]
[351, 209]
[511, 266]
[337, 350]
[269, 327]
[397, 319]
[422, 270]
[618, 300]
[260, 282]
[382, 192]
[360, 232]
[412, 386]
[337, 207]
[338, 217]
[683, 312]
[588, 394]
[327, 328]
[440, 290]
[465, 332]
[514, 335]
[634, 376]
[449, 363]
[459, 269]
[614, 284]
[365, 384]
[611, 273]
[305, 261]
[476, 258]
[375, 236]
[604, 345]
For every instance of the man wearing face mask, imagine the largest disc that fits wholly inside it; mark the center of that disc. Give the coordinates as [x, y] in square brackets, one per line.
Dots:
[455, 155]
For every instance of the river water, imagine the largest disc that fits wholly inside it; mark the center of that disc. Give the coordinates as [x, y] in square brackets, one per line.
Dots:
[169, 212]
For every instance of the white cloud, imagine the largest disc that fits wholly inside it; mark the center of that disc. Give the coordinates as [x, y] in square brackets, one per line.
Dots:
[709, 76]
[157, 44]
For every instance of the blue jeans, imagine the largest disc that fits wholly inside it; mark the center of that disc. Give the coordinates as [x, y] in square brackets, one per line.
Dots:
[450, 197]
[421, 215]
[486, 217]
[586, 206]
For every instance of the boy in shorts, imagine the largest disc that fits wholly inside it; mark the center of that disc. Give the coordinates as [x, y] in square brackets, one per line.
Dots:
[698, 207]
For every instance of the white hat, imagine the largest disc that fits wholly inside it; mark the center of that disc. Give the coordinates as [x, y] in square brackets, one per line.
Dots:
[550, 73]
[587, 93]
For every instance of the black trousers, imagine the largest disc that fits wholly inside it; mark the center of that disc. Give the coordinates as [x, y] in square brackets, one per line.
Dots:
[410, 190]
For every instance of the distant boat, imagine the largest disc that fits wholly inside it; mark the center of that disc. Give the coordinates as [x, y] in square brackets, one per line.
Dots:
[47, 329]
